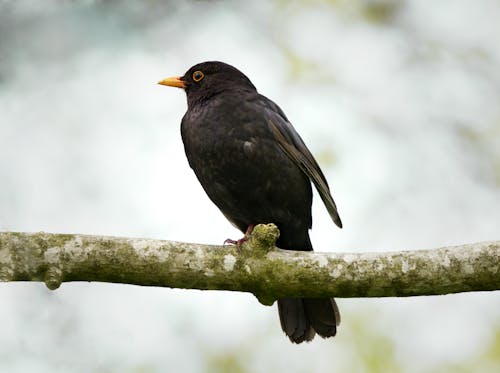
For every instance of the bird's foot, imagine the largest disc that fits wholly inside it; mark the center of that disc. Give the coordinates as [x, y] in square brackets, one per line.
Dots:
[240, 242]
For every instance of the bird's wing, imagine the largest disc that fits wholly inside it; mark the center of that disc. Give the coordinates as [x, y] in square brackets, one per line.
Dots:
[294, 147]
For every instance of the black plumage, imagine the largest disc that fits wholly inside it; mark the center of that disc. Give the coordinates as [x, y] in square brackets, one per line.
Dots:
[255, 167]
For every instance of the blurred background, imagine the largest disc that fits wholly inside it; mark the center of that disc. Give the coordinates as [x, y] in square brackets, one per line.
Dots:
[398, 100]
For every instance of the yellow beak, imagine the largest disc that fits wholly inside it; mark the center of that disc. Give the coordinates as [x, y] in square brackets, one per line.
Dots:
[174, 81]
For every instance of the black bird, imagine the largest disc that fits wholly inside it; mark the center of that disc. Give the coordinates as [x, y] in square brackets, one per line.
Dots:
[255, 167]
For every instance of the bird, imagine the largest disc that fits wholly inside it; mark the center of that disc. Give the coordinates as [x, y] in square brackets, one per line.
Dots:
[256, 169]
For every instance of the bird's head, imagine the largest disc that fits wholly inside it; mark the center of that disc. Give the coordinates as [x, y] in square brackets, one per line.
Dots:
[207, 79]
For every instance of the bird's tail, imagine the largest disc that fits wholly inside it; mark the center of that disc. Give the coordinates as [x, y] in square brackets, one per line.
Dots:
[301, 318]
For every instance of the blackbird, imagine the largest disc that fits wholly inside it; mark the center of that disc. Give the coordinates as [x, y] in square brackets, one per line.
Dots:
[256, 169]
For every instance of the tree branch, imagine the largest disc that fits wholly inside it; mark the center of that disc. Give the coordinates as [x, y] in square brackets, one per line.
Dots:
[260, 268]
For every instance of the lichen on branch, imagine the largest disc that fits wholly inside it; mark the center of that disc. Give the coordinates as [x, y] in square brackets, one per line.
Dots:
[260, 268]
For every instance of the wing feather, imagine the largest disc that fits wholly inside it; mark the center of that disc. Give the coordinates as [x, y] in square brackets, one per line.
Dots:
[293, 146]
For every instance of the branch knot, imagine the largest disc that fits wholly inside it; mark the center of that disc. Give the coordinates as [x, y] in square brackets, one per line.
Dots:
[53, 277]
[263, 239]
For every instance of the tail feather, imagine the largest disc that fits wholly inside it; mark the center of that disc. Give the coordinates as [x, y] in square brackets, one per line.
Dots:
[302, 318]
[323, 315]
[294, 320]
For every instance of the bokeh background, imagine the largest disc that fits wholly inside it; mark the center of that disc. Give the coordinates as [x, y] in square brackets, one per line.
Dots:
[398, 100]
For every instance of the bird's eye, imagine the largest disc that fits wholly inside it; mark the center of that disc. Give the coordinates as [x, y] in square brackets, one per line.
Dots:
[198, 75]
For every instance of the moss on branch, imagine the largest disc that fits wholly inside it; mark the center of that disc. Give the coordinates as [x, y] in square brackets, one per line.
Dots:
[262, 269]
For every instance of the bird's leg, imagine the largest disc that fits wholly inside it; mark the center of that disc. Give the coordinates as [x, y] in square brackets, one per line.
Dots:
[239, 242]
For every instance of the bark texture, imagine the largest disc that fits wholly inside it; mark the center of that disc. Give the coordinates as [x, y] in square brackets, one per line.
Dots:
[260, 268]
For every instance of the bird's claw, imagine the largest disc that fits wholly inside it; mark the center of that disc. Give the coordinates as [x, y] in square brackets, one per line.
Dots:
[240, 242]
[229, 241]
